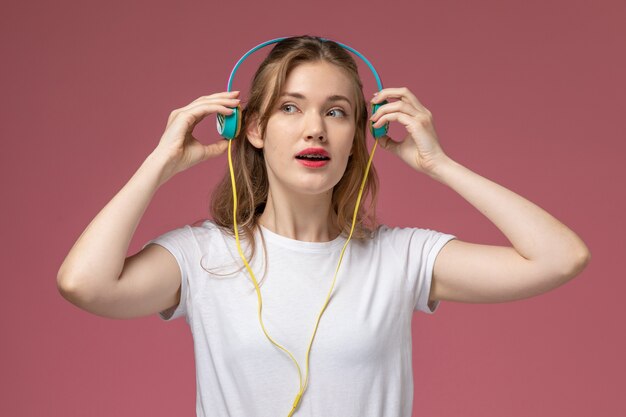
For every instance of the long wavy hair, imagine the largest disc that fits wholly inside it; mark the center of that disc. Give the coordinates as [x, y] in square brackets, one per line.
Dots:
[249, 163]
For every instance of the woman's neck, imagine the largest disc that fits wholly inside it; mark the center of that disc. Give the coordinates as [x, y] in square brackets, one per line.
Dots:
[303, 217]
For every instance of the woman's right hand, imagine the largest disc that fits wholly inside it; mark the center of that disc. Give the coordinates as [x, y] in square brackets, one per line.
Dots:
[179, 148]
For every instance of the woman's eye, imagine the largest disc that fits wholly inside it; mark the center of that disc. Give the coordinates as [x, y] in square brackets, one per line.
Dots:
[284, 106]
[343, 113]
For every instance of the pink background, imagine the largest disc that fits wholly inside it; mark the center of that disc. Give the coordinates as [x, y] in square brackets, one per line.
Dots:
[529, 94]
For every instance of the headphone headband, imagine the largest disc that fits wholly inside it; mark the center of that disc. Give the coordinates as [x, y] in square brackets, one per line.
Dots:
[261, 45]
[228, 126]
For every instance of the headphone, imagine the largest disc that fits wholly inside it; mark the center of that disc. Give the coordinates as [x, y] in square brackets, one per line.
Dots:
[228, 126]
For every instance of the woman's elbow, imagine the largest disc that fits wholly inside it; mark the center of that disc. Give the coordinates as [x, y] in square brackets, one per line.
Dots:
[578, 263]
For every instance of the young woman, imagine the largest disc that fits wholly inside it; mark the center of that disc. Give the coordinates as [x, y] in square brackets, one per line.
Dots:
[299, 161]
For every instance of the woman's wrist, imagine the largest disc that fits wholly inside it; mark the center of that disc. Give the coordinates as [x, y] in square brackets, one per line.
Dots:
[159, 164]
[438, 169]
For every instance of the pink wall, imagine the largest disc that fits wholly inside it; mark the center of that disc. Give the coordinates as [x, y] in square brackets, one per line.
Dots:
[528, 94]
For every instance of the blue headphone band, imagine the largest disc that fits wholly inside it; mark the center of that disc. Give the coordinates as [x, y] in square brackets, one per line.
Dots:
[261, 45]
[228, 126]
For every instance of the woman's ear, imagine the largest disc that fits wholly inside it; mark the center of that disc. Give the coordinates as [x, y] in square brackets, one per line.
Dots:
[253, 133]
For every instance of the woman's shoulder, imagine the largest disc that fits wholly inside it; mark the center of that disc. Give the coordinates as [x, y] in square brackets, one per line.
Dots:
[398, 242]
[386, 232]
[383, 230]
[199, 232]
[205, 225]
[207, 229]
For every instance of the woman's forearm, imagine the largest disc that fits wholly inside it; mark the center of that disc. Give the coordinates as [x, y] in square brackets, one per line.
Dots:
[534, 233]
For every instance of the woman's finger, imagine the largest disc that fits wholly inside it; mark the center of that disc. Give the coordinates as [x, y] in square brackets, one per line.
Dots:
[402, 93]
[225, 94]
[395, 106]
[389, 144]
[220, 100]
[214, 104]
[403, 118]
[215, 149]
[197, 113]
[219, 97]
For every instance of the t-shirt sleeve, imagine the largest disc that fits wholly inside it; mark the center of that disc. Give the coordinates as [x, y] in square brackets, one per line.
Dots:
[179, 242]
[418, 249]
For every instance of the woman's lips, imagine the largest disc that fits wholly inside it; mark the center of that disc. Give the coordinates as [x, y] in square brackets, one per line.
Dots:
[313, 157]
[313, 163]
[314, 151]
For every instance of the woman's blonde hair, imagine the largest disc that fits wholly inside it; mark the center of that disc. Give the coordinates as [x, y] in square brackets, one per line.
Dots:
[249, 163]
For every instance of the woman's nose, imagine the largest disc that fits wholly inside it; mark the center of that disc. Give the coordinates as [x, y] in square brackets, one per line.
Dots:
[315, 128]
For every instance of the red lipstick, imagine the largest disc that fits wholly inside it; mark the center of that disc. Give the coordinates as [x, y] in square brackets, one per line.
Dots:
[313, 157]
[314, 151]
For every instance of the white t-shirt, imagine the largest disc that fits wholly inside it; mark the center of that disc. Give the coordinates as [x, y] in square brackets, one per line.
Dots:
[360, 362]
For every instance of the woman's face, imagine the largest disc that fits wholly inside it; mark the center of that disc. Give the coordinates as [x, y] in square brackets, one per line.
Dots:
[309, 134]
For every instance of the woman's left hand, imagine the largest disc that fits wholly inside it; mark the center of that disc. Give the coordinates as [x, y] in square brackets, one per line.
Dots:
[420, 148]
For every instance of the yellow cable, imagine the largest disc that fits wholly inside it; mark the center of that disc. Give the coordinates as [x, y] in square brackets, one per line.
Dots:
[256, 286]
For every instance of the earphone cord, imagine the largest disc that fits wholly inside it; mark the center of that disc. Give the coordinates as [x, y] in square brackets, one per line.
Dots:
[256, 286]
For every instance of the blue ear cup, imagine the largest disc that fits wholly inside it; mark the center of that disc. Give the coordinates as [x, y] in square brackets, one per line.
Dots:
[229, 125]
[378, 132]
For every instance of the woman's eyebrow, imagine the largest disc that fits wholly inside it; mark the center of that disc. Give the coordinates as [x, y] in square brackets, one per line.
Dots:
[333, 98]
